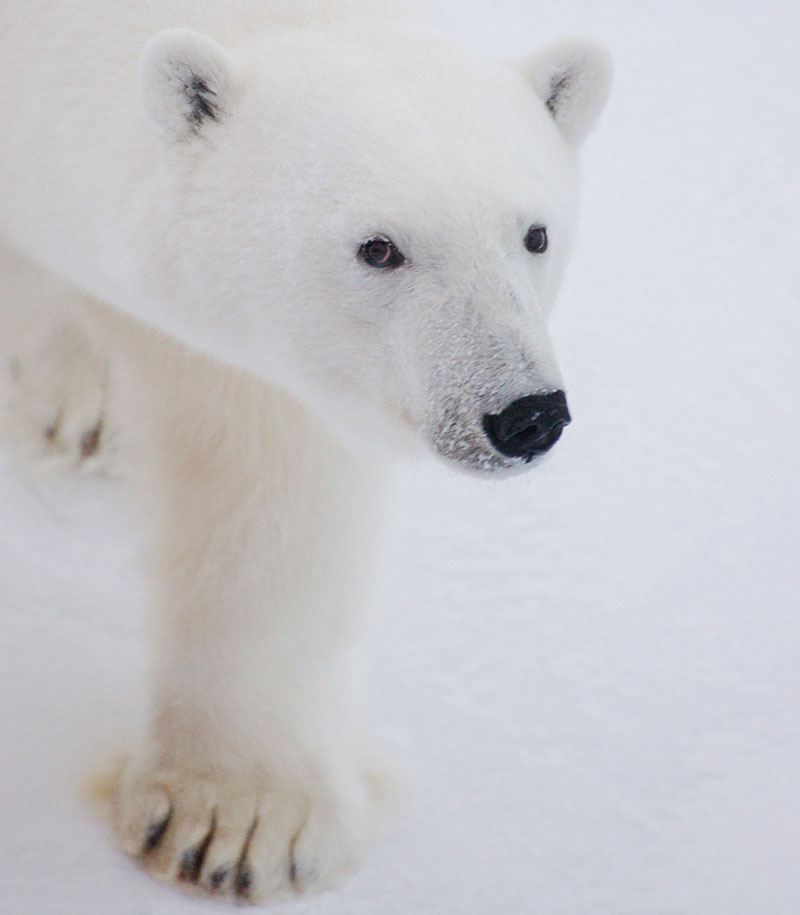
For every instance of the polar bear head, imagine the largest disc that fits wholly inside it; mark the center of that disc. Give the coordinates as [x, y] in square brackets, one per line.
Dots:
[378, 221]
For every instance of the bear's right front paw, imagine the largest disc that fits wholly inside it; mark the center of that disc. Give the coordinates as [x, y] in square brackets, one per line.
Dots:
[233, 837]
[56, 408]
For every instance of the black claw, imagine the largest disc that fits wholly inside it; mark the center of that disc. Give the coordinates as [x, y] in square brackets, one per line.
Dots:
[217, 878]
[156, 833]
[192, 860]
[244, 882]
[90, 440]
[191, 864]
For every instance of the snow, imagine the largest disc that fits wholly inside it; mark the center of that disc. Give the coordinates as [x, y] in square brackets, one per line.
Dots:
[591, 673]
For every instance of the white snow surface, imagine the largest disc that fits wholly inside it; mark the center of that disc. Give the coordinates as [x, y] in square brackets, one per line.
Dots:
[591, 673]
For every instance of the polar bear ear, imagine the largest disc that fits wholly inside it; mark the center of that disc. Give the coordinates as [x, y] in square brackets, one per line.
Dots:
[572, 76]
[185, 81]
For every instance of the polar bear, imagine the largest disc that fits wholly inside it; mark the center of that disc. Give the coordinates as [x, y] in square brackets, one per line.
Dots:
[275, 243]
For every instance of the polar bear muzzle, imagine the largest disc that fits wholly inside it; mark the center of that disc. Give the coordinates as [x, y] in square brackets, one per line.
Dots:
[528, 426]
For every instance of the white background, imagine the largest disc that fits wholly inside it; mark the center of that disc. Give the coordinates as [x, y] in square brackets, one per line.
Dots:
[592, 671]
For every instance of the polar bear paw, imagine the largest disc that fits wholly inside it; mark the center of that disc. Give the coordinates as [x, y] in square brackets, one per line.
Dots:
[56, 400]
[227, 837]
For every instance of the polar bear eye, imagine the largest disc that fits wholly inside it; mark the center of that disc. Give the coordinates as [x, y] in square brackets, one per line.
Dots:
[536, 240]
[381, 252]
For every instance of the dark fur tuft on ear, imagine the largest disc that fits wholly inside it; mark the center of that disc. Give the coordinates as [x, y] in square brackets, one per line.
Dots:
[186, 80]
[201, 101]
[572, 76]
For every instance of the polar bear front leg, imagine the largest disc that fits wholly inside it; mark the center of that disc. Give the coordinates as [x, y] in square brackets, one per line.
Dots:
[248, 782]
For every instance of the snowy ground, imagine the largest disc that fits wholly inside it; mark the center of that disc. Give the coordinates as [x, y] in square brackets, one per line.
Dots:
[594, 670]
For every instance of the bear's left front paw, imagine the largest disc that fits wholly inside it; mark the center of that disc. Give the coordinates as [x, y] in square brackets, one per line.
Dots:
[236, 838]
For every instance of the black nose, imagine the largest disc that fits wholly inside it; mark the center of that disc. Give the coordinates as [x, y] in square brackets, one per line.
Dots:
[528, 426]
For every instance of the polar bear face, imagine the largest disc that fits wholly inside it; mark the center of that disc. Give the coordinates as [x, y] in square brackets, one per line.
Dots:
[379, 223]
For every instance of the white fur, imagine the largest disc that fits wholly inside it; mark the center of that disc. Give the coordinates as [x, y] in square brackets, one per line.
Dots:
[211, 169]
